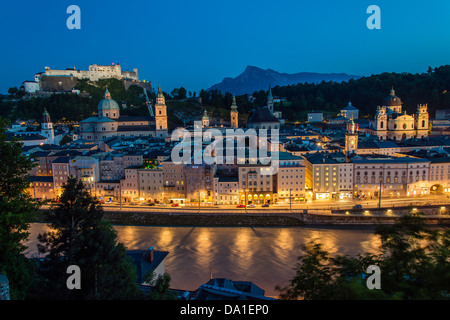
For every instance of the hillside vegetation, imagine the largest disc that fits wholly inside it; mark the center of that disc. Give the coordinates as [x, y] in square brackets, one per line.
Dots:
[431, 87]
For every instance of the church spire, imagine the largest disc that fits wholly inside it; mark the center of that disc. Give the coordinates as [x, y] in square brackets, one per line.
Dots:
[270, 92]
[233, 104]
[351, 128]
[205, 119]
[270, 100]
[160, 99]
[234, 115]
[46, 116]
[107, 94]
[392, 91]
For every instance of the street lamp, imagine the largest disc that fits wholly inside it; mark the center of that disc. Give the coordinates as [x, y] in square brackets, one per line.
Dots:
[199, 200]
[245, 200]
[290, 200]
[381, 186]
[120, 194]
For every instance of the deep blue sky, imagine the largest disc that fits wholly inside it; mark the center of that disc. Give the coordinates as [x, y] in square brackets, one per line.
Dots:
[197, 43]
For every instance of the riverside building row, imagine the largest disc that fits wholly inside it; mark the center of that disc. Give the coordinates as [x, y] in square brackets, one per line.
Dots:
[132, 163]
[136, 177]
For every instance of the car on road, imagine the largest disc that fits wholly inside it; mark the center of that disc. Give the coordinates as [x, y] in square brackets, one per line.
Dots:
[251, 205]
[175, 205]
[240, 206]
[266, 205]
[357, 207]
[162, 205]
[151, 204]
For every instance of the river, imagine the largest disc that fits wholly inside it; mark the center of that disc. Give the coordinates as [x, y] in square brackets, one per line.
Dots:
[265, 256]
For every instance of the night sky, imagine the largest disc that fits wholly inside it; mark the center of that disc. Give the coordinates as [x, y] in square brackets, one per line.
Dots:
[197, 43]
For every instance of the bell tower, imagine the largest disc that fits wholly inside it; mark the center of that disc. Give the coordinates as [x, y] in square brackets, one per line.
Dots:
[205, 119]
[47, 127]
[422, 121]
[160, 115]
[351, 138]
[381, 123]
[270, 100]
[234, 114]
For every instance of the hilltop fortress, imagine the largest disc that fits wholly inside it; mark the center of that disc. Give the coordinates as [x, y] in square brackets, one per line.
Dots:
[96, 72]
[63, 81]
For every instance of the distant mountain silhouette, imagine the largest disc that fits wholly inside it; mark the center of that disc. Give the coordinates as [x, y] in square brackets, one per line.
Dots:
[256, 79]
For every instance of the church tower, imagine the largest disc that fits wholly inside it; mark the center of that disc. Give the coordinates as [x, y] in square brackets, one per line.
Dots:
[47, 127]
[421, 121]
[270, 101]
[381, 123]
[351, 138]
[205, 119]
[234, 114]
[161, 115]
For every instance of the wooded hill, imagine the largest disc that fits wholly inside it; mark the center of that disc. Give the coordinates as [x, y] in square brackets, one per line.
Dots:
[432, 87]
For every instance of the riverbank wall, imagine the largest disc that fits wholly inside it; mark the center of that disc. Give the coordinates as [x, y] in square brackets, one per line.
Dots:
[435, 215]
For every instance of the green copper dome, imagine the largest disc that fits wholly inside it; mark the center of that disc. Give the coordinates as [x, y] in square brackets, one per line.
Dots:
[108, 103]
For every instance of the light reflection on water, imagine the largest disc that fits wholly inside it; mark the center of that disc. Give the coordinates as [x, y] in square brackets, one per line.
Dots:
[265, 256]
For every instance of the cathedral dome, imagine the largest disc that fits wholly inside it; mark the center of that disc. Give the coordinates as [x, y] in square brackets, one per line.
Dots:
[108, 103]
[392, 100]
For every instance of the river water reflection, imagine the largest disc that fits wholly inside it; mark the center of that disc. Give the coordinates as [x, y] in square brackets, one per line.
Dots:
[265, 256]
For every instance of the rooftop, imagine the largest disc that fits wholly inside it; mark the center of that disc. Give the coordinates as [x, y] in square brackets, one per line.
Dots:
[61, 160]
[262, 114]
[97, 119]
[226, 289]
[388, 160]
[349, 107]
[123, 118]
[143, 264]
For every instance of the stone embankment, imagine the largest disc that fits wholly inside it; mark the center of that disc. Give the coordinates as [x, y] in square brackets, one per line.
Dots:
[439, 215]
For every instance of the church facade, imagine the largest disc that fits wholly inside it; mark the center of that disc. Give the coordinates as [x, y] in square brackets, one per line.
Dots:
[265, 117]
[391, 123]
[109, 123]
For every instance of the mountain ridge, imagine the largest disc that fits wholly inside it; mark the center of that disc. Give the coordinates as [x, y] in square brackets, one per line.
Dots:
[255, 79]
